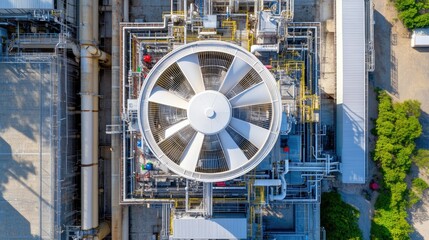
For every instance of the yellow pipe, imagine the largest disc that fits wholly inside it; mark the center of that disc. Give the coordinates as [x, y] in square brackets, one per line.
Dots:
[262, 194]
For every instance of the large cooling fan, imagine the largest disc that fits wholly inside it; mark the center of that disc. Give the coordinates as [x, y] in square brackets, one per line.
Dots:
[210, 111]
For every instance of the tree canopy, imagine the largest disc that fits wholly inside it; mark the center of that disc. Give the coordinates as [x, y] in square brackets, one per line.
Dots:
[339, 219]
[397, 127]
[413, 13]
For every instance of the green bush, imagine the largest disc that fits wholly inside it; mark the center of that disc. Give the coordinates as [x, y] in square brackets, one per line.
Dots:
[419, 185]
[416, 192]
[413, 13]
[421, 159]
[397, 127]
[413, 198]
[339, 218]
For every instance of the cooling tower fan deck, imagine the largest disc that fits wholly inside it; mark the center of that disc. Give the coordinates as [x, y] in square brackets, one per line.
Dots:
[210, 111]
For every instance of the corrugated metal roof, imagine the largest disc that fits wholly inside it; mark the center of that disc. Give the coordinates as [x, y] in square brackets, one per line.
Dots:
[420, 37]
[421, 31]
[215, 228]
[351, 90]
[27, 4]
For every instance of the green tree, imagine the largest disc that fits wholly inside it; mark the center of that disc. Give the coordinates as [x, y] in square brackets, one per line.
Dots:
[339, 219]
[397, 127]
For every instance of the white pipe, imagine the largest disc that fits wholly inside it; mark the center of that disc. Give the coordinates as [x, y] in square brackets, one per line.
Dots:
[89, 53]
[126, 10]
[125, 223]
[264, 48]
[185, 10]
[89, 163]
[267, 182]
[146, 26]
[185, 27]
[95, 88]
[191, 10]
[95, 19]
[74, 47]
[99, 54]
[282, 195]
[187, 196]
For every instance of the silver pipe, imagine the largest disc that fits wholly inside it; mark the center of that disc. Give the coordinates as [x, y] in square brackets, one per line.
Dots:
[187, 196]
[125, 222]
[282, 194]
[89, 131]
[95, 98]
[185, 10]
[126, 10]
[103, 230]
[208, 199]
[116, 150]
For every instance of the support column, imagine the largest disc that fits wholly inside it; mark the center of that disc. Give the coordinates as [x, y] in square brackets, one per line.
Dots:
[116, 149]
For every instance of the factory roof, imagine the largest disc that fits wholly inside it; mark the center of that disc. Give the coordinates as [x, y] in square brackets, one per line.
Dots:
[351, 90]
[214, 228]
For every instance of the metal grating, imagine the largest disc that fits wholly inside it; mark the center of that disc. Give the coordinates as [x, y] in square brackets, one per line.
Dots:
[247, 147]
[172, 79]
[251, 78]
[211, 159]
[214, 66]
[162, 117]
[175, 145]
[259, 115]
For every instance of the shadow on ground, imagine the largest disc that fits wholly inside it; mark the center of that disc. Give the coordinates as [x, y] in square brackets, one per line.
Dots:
[386, 70]
[25, 88]
[418, 214]
[12, 224]
[423, 140]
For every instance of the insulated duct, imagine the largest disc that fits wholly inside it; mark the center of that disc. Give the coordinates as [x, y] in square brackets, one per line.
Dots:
[89, 66]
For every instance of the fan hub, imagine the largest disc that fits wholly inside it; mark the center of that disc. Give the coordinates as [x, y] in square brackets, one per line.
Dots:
[209, 112]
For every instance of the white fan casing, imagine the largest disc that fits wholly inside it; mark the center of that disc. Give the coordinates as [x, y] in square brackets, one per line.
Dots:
[210, 111]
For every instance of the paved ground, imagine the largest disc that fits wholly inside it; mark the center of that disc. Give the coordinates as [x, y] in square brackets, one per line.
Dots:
[145, 223]
[419, 213]
[364, 206]
[402, 71]
[26, 186]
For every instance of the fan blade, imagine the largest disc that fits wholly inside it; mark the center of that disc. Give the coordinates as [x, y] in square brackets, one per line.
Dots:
[190, 66]
[191, 154]
[233, 154]
[257, 94]
[236, 72]
[162, 96]
[255, 134]
[176, 128]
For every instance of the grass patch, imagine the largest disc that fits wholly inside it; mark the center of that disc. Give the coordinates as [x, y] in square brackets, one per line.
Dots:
[339, 218]
[421, 159]
[419, 185]
[416, 192]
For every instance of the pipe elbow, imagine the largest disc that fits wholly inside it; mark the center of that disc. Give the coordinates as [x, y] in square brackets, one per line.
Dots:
[102, 56]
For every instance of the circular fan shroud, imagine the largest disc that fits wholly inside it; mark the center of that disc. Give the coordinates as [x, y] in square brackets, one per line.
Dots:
[240, 138]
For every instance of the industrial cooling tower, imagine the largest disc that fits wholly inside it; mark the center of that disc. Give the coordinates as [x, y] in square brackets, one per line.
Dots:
[210, 111]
